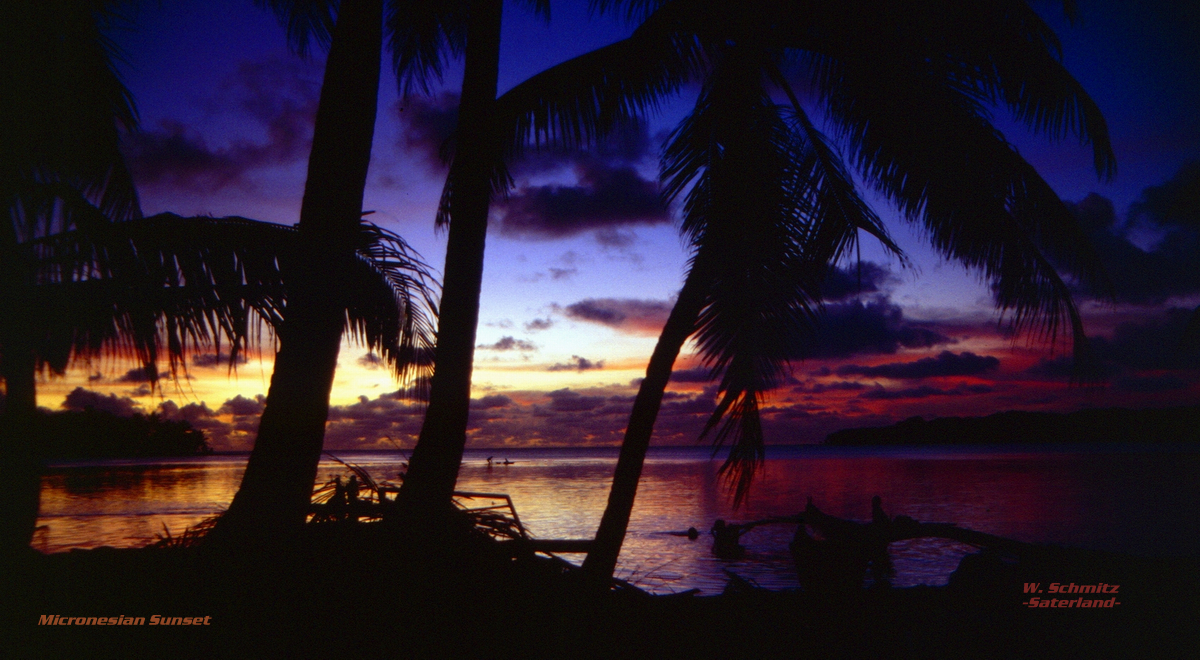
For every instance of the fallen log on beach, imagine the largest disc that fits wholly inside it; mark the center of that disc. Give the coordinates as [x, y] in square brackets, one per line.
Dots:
[845, 554]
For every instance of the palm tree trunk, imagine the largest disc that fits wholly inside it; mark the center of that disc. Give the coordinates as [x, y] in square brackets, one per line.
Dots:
[276, 488]
[20, 466]
[433, 468]
[601, 561]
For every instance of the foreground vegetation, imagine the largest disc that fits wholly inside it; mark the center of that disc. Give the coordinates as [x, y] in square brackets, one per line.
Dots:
[350, 589]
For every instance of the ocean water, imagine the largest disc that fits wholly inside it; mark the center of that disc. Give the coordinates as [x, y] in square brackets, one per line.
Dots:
[1137, 499]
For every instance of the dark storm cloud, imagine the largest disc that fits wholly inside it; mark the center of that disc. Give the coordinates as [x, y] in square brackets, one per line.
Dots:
[427, 125]
[508, 343]
[605, 197]
[875, 327]
[492, 401]
[609, 192]
[625, 314]
[577, 364]
[240, 405]
[1052, 368]
[222, 435]
[1168, 268]
[215, 359]
[1156, 343]
[1175, 203]
[373, 423]
[675, 403]
[281, 96]
[1150, 354]
[629, 144]
[696, 375]
[137, 375]
[922, 392]
[82, 399]
[814, 387]
[945, 364]
[854, 280]
[565, 400]
[190, 412]
[370, 360]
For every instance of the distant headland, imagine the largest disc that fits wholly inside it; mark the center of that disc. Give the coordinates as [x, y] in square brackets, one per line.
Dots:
[88, 434]
[1100, 425]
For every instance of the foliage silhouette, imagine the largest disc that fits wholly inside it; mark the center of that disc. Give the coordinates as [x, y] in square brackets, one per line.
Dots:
[907, 89]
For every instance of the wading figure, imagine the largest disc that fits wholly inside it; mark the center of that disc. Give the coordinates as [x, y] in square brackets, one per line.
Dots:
[726, 540]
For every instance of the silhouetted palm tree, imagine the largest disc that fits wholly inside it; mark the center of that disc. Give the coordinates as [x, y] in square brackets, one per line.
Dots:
[62, 110]
[166, 286]
[569, 105]
[433, 31]
[74, 284]
[423, 36]
[907, 88]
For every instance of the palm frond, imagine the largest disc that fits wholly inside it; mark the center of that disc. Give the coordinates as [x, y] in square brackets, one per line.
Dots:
[635, 10]
[579, 101]
[764, 229]
[844, 213]
[921, 135]
[1000, 52]
[63, 109]
[393, 304]
[575, 101]
[424, 37]
[306, 21]
[167, 286]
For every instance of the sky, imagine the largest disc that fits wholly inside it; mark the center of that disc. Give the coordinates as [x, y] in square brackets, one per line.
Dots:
[583, 260]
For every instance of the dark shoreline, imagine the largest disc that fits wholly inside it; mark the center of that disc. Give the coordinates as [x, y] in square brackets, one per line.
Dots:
[1093, 426]
[349, 593]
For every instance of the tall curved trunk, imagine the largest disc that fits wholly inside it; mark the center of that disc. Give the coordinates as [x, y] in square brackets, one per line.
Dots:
[601, 561]
[20, 465]
[276, 488]
[433, 468]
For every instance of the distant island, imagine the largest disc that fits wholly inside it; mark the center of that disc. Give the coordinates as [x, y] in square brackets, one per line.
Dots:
[86, 434]
[1102, 425]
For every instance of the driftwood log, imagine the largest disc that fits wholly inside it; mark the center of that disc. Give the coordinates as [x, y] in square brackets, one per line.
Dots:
[845, 554]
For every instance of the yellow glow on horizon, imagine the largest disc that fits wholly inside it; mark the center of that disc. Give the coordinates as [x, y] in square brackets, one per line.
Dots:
[355, 378]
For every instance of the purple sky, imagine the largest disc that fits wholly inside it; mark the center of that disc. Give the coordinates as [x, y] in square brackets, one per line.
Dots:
[582, 261]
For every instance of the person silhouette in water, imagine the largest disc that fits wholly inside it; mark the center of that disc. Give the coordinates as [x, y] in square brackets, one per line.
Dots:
[726, 545]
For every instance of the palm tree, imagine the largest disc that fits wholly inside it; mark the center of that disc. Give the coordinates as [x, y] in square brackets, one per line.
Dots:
[75, 285]
[62, 111]
[569, 105]
[906, 87]
[167, 286]
[423, 36]
[277, 485]
[471, 28]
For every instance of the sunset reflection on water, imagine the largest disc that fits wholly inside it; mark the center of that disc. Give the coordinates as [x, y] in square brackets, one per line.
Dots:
[1129, 500]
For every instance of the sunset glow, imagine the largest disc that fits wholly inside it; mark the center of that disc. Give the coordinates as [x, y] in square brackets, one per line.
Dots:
[583, 263]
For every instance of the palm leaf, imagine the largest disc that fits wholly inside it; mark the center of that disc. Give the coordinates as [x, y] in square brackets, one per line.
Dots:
[578, 102]
[306, 21]
[62, 111]
[767, 210]
[140, 289]
[979, 201]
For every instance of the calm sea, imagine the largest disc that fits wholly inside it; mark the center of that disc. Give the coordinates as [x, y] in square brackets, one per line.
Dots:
[1141, 500]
